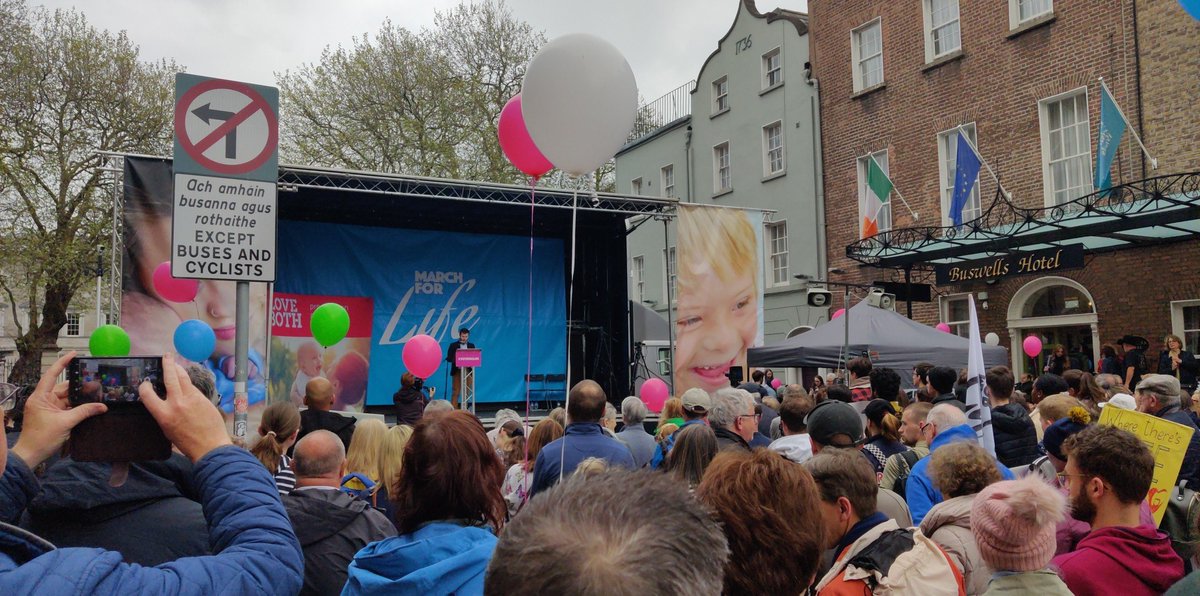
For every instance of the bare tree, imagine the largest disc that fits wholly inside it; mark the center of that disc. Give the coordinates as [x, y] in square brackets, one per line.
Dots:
[68, 91]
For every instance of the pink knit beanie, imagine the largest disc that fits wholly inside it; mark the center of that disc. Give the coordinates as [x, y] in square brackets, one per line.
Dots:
[1014, 523]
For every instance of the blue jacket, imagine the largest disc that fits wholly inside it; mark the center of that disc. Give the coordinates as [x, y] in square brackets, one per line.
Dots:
[1190, 469]
[919, 492]
[439, 558]
[581, 441]
[258, 552]
[661, 453]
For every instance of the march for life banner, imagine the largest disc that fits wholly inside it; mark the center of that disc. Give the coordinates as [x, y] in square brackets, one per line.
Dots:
[433, 283]
[296, 358]
[718, 294]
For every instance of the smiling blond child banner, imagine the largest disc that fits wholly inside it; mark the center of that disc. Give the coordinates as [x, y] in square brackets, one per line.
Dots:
[718, 294]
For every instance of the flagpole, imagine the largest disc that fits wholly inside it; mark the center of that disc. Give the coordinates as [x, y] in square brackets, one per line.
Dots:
[963, 133]
[898, 195]
[1129, 126]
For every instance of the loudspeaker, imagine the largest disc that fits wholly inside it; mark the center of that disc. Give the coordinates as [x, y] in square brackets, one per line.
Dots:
[879, 299]
[819, 298]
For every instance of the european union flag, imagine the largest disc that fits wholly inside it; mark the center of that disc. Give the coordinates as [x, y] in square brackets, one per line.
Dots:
[965, 173]
[1112, 127]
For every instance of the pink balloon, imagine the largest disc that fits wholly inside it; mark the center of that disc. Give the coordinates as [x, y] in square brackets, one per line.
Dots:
[775, 383]
[654, 394]
[944, 328]
[1032, 346]
[422, 355]
[837, 313]
[173, 288]
[516, 143]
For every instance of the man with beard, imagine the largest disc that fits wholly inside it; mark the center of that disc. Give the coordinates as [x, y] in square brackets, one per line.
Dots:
[1108, 474]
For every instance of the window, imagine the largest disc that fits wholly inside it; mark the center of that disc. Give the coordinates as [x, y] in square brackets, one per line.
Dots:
[110, 319]
[722, 176]
[772, 68]
[773, 148]
[777, 238]
[956, 314]
[667, 180]
[941, 28]
[669, 266]
[866, 44]
[72, 328]
[1185, 322]
[1022, 11]
[883, 220]
[638, 274]
[948, 162]
[1066, 147]
[720, 95]
[635, 186]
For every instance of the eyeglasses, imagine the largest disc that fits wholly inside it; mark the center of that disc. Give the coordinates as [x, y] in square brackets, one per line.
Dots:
[921, 426]
[1064, 475]
[750, 416]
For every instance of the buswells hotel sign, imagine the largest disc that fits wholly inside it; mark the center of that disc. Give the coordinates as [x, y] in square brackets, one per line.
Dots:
[1021, 263]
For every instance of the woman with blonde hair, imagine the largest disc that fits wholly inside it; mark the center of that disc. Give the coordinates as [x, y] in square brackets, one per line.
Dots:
[362, 458]
[672, 413]
[1178, 362]
[391, 460]
[278, 428]
[519, 477]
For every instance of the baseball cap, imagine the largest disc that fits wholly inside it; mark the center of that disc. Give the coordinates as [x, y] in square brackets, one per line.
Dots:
[696, 400]
[1121, 400]
[833, 418]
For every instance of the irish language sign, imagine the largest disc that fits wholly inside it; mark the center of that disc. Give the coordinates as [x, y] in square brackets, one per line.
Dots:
[1168, 442]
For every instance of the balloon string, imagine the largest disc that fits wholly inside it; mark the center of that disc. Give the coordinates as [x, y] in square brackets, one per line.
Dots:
[529, 338]
[197, 305]
[570, 308]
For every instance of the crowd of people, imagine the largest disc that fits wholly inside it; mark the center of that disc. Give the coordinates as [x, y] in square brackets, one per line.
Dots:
[851, 488]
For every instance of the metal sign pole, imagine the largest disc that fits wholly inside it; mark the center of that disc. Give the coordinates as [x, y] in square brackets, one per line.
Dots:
[241, 351]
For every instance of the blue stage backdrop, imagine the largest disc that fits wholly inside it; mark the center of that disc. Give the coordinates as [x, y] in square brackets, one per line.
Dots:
[434, 283]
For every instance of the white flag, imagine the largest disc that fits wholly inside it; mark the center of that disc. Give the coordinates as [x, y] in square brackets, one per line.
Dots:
[979, 412]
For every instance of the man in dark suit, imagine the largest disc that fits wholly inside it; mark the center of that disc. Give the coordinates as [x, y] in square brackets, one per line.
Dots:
[455, 373]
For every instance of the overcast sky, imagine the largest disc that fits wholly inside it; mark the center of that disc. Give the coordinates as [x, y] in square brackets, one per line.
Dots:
[665, 41]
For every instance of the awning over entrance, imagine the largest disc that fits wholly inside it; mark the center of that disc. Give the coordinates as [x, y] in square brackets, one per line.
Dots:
[1153, 211]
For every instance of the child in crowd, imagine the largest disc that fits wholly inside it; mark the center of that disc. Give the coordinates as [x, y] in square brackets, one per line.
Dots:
[1014, 524]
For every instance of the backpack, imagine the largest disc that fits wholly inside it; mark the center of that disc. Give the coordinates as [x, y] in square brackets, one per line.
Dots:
[364, 494]
[1181, 519]
[909, 458]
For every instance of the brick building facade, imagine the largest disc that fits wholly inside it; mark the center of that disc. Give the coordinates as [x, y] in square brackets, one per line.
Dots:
[1019, 76]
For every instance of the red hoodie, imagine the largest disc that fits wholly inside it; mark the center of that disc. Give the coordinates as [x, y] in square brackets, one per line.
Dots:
[1128, 561]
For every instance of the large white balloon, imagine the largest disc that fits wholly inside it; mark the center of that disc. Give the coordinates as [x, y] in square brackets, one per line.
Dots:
[991, 339]
[579, 100]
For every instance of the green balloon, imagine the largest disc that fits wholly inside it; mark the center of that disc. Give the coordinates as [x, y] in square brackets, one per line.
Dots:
[329, 323]
[109, 340]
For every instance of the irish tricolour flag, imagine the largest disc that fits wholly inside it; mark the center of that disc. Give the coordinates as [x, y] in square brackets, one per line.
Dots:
[879, 188]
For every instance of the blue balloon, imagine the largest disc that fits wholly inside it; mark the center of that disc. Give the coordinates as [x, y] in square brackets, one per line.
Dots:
[1192, 7]
[195, 340]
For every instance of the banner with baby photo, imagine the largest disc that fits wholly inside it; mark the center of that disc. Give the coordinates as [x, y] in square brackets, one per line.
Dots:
[296, 358]
[718, 294]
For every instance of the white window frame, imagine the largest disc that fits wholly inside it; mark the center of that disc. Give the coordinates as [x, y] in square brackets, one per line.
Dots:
[635, 186]
[961, 328]
[931, 50]
[885, 215]
[1044, 127]
[722, 186]
[637, 271]
[777, 253]
[767, 149]
[666, 179]
[1014, 12]
[76, 319]
[767, 71]
[1177, 319]
[856, 60]
[974, 205]
[720, 95]
[670, 267]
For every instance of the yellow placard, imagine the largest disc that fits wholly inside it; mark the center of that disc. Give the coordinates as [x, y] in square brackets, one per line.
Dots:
[1168, 441]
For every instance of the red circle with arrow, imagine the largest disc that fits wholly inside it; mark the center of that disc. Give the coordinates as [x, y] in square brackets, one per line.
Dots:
[227, 130]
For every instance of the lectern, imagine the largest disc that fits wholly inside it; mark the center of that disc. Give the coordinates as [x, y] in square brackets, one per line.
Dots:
[467, 360]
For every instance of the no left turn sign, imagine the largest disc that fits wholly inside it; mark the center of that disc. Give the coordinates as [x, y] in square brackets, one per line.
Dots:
[226, 127]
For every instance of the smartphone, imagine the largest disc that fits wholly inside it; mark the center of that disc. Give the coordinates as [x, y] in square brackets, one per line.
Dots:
[126, 432]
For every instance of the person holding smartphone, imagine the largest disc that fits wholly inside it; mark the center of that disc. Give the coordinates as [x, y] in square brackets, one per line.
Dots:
[256, 549]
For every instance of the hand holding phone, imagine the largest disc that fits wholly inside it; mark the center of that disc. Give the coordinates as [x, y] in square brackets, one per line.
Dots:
[126, 432]
[188, 418]
[48, 420]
